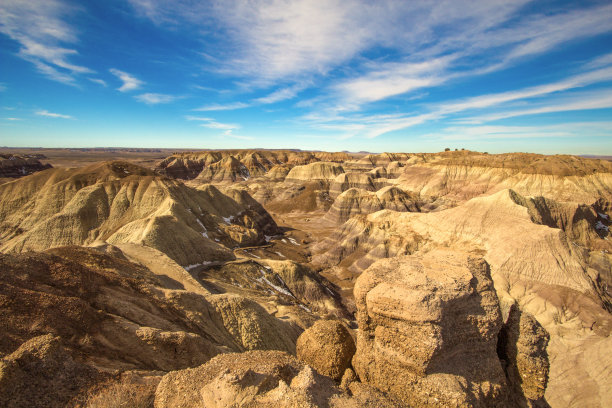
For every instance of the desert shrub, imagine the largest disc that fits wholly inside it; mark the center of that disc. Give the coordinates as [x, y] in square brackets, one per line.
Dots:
[122, 395]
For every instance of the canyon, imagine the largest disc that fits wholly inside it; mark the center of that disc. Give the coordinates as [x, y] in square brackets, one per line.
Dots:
[293, 278]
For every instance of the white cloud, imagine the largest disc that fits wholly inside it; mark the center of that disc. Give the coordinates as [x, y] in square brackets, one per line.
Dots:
[39, 27]
[155, 98]
[562, 130]
[130, 82]
[600, 99]
[222, 126]
[229, 106]
[392, 78]
[281, 94]
[13, 119]
[211, 123]
[485, 101]
[53, 115]
[98, 81]
[199, 118]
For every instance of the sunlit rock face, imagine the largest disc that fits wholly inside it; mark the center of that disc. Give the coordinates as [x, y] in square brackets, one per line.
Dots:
[429, 327]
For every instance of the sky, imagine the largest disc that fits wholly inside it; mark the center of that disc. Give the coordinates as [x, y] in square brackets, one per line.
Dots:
[411, 76]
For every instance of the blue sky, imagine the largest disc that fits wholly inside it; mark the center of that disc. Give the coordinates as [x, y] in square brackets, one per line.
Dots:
[353, 75]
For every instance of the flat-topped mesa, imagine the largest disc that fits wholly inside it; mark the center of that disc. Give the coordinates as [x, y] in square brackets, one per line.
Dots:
[15, 166]
[119, 202]
[326, 171]
[428, 331]
[460, 176]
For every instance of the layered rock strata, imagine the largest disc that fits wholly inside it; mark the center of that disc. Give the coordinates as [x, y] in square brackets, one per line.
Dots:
[428, 333]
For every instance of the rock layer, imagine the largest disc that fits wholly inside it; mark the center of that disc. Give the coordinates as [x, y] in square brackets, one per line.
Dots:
[428, 330]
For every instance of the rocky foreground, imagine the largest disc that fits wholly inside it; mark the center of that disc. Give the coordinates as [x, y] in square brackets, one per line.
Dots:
[280, 278]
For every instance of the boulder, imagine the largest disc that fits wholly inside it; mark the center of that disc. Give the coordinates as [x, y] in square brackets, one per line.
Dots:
[328, 347]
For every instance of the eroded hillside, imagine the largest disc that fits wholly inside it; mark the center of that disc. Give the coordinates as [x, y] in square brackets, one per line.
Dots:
[448, 279]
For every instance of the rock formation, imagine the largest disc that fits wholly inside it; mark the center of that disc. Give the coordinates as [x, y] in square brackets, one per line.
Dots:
[15, 166]
[120, 315]
[428, 330]
[230, 165]
[522, 347]
[328, 347]
[357, 201]
[476, 280]
[259, 379]
[40, 373]
[315, 171]
[118, 202]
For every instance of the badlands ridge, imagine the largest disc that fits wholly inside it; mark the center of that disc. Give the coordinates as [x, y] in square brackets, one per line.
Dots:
[256, 278]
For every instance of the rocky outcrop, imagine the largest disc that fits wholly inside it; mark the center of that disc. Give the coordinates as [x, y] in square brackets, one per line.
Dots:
[328, 347]
[15, 166]
[383, 159]
[428, 330]
[260, 379]
[118, 202]
[228, 169]
[460, 176]
[236, 165]
[315, 171]
[119, 315]
[522, 348]
[551, 277]
[345, 181]
[41, 373]
[357, 201]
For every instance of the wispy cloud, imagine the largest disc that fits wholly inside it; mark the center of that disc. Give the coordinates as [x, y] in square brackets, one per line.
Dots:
[155, 98]
[212, 123]
[98, 81]
[222, 126]
[392, 78]
[281, 94]
[485, 101]
[377, 125]
[2, 87]
[561, 130]
[130, 82]
[39, 27]
[13, 119]
[53, 115]
[219, 107]
[598, 99]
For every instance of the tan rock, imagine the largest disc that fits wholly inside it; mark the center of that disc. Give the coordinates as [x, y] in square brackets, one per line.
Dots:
[522, 348]
[315, 171]
[41, 373]
[258, 379]
[328, 347]
[428, 330]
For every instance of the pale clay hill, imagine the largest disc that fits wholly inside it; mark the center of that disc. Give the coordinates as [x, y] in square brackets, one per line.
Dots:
[253, 278]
